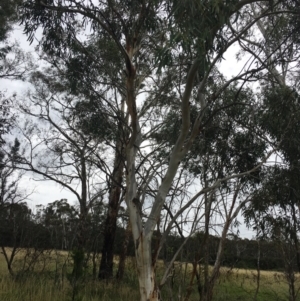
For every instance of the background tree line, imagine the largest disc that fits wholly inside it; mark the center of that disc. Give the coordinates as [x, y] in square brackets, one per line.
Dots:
[54, 227]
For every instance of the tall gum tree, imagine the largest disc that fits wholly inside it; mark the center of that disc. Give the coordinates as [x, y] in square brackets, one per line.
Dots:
[151, 37]
[274, 208]
[59, 151]
[222, 148]
[90, 116]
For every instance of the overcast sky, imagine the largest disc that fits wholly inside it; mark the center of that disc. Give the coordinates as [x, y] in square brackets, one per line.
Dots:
[46, 192]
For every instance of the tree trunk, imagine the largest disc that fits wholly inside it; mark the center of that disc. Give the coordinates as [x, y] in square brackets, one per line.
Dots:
[205, 246]
[294, 236]
[258, 270]
[143, 232]
[78, 253]
[106, 264]
[9, 259]
[122, 258]
[146, 269]
[232, 214]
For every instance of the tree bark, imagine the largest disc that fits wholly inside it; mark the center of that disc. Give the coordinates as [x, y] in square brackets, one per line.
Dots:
[9, 259]
[146, 270]
[122, 258]
[142, 233]
[106, 264]
[79, 252]
[205, 244]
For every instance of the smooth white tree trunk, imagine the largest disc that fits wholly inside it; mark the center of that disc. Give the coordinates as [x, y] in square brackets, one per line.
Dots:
[142, 233]
[146, 270]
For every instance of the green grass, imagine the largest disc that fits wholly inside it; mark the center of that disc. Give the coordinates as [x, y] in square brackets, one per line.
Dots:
[48, 281]
[242, 285]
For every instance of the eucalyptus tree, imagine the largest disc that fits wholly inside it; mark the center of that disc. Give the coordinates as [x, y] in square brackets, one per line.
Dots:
[8, 11]
[60, 219]
[91, 115]
[13, 209]
[184, 39]
[14, 63]
[101, 115]
[59, 151]
[274, 213]
[275, 207]
[92, 120]
[228, 143]
[14, 212]
[279, 46]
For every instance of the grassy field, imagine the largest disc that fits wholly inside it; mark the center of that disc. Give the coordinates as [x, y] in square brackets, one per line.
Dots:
[242, 285]
[48, 280]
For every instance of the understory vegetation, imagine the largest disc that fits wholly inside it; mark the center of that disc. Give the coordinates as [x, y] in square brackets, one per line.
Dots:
[49, 281]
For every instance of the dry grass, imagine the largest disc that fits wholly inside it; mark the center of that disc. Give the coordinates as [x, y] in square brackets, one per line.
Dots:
[48, 281]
